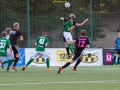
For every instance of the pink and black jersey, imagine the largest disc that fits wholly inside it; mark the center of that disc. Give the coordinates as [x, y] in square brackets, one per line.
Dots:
[81, 43]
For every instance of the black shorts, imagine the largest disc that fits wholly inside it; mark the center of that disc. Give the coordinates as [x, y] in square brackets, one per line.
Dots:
[78, 55]
[117, 51]
[15, 49]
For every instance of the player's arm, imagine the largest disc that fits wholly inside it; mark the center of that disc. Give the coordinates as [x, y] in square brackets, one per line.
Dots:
[10, 51]
[63, 19]
[20, 38]
[81, 24]
[46, 43]
[88, 43]
[115, 43]
[71, 28]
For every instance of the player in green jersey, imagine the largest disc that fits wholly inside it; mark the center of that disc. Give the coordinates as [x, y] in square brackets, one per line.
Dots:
[75, 24]
[40, 43]
[4, 44]
[8, 32]
[67, 32]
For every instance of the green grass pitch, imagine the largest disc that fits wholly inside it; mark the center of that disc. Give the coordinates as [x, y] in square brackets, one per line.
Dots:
[37, 78]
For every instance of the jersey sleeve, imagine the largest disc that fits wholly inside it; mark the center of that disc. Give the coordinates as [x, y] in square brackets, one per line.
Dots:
[115, 42]
[47, 40]
[65, 19]
[8, 42]
[87, 42]
[19, 33]
[74, 23]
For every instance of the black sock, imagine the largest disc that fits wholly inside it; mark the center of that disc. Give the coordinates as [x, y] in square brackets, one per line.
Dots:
[67, 49]
[15, 62]
[66, 65]
[78, 61]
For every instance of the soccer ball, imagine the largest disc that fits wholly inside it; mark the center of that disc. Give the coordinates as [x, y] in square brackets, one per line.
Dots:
[67, 4]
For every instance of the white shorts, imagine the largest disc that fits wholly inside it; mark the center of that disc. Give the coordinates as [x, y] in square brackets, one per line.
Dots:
[42, 54]
[67, 36]
[2, 58]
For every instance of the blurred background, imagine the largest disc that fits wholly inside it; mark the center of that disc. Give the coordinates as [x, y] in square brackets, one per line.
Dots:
[37, 15]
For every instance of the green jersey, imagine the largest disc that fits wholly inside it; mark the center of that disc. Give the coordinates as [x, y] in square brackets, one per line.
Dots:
[41, 41]
[68, 25]
[4, 44]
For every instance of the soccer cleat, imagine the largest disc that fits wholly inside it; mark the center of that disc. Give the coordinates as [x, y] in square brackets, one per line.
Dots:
[48, 69]
[24, 68]
[14, 68]
[74, 69]
[60, 69]
[7, 70]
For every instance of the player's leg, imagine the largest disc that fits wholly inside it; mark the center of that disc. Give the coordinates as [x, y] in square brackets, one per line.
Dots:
[79, 59]
[9, 61]
[2, 61]
[16, 56]
[68, 38]
[47, 58]
[68, 63]
[31, 60]
[66, 46]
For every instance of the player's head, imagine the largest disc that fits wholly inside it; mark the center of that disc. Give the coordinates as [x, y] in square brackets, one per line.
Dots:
[8, 30]
[44, 33]
[70, 19]
[118, 34]
[3, 34]
[16, 26]
[83, 33]
[72, 16]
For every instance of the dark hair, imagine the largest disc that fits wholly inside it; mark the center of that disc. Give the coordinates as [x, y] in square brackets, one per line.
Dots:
[44, 32]
[3, 34]
[69, 18]
[83, 33]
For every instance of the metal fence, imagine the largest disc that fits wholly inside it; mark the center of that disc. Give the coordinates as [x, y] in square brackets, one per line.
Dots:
[37, 15]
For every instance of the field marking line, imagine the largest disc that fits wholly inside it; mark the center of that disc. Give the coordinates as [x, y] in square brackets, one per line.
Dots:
[72, 82]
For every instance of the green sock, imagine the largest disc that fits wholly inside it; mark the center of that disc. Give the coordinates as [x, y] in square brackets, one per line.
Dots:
[29, 62]
[9, 62]
[70, 47]
[48, 63]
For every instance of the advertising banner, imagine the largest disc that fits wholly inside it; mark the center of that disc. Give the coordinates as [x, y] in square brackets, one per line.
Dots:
[108, 56]
[21, 61]
[58, 56]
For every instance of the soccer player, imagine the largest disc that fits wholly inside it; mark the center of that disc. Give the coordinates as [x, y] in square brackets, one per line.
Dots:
[4, 44]
[8, 32]
[117, 48]
[75, 24]
[40, 43]
[15, 35]
[67, 33]
[81, 43]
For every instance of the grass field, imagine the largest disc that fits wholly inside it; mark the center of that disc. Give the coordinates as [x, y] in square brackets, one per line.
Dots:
[86, 78]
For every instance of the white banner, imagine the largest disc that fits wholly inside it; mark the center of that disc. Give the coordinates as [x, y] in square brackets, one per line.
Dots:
[91, 57]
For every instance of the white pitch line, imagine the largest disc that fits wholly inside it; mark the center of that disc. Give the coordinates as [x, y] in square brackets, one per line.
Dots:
[72, 82]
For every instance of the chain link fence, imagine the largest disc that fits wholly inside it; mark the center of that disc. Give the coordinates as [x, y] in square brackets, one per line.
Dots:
[45, 15]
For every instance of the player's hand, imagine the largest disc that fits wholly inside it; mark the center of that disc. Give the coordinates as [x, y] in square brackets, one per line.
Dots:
[11, 56]
[87, 20]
